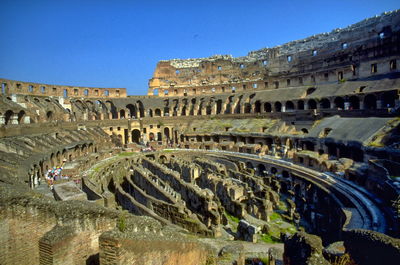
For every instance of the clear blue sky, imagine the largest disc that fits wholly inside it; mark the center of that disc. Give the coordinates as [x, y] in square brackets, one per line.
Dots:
[117, 43]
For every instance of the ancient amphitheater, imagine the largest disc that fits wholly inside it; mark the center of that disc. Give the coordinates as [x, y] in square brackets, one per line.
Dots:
[289, 154]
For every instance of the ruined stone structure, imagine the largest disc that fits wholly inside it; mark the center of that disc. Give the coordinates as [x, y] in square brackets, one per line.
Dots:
[307, 131]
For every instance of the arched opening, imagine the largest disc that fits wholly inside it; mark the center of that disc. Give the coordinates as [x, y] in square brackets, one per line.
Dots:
[249, 165]
[112, 109]
[304, 130]
[150, 113]
[166, 133]
[122, 114]
[166, 111]
[339, 103]
[151, 137]
[7, 116]
[21, 116]
[247, 108]
[370, 101]
[354, 102]
[159, 137]
[262, 169]
[389, 99]
[267, 107]
[135, 136]
[289, 106]
[274, 170]
[300, 105]
[257, 107]
[157, 113]
[208, 109]
[312, 104]
[49, 115]
[325, 103]
[278, 106]
[183, 112]
[219, 106]
[132, 111]
[141, 108]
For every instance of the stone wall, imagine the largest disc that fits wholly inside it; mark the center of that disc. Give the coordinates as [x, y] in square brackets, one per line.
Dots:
[37, 89]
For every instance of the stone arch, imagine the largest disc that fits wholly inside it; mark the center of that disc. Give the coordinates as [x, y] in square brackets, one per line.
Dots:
[167, 133]
[157, 113]
[249, 165]
[21, 116]
[49, 115]
[278, 106]
[354, 102]
[132, 111]
[112, 109]
[289, 106]
[339, 103]
[267, 107]
[262, 170]
[389, 99]
[135, 136]
[247, 108]
[151, 136]
[312, 104]
[122, 114]
[324, 103]
[8, 116]
[370, 101]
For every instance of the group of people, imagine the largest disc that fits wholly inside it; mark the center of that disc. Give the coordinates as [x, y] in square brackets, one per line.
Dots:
[54, 174]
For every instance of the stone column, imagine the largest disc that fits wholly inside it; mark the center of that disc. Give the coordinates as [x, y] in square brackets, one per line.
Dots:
[14, 119]
[379, 104]
[2, 120]
[305, 106]
[346, 105]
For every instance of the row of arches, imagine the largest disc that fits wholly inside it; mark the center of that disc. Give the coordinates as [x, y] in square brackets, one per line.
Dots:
[368, 102]
[55, 159]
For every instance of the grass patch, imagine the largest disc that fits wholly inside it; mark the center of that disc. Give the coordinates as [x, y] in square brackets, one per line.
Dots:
[168, 151]
[275, 217]
[232, 218]
[269, 239]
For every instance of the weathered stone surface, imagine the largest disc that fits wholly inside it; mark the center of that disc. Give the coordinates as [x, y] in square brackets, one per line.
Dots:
[303, 249]
[368, 247]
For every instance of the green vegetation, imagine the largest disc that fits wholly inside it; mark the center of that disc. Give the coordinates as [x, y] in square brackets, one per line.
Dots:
[232, 218]
[275, 216]
[267, 238]
[168, 151]
[121, 223]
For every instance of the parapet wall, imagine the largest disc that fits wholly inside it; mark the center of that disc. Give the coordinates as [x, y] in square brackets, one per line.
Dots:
[9, 87]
